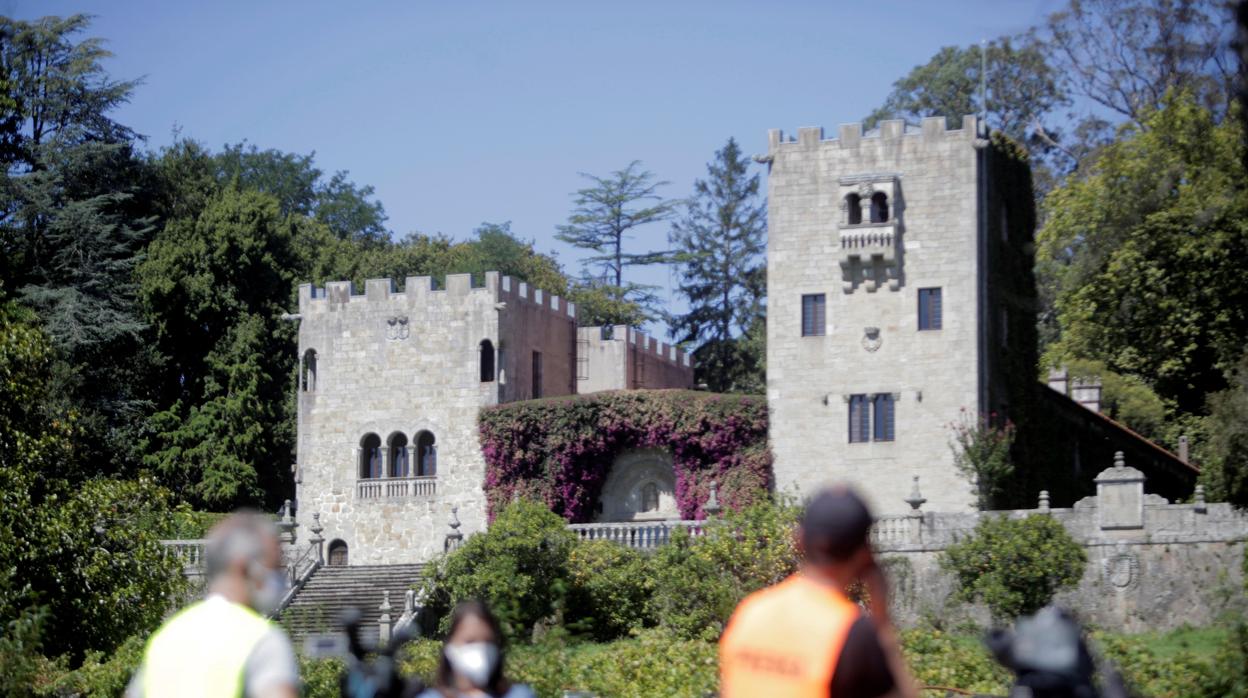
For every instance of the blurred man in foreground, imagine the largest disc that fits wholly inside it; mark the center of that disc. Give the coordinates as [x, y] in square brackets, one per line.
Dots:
[804, 636]
[224, 646]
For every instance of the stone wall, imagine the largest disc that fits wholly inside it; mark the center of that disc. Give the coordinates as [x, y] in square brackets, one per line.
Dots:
[1152, 565]
[621, 358]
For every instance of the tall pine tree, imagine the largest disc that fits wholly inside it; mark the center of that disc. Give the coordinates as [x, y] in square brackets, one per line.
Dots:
[606, 214]
[719, 245]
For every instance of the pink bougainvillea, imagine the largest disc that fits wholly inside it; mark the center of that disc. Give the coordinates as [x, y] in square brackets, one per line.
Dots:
[559, 450]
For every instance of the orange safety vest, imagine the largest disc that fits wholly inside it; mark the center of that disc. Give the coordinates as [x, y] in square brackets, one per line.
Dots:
[785, 641]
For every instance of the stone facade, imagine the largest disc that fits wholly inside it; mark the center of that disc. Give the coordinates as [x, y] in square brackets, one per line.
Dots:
[1152, 565]
[390, 387]
[868, 274]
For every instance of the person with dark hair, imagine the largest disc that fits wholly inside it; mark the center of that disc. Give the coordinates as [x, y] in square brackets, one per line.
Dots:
[804, 636]
[471, 665]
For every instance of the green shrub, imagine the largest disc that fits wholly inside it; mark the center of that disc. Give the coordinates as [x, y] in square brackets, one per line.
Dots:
[937, 658]
[1015, 566]
[320, 677]
[102, 675]
[652, 664]
[692, 596]
[698, 582]
[519, 567]
[609, 585]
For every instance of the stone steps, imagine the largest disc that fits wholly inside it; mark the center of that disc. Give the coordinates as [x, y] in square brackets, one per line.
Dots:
[319, 605]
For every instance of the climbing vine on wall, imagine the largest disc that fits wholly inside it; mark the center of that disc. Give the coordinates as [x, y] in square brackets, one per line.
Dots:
[559, 450]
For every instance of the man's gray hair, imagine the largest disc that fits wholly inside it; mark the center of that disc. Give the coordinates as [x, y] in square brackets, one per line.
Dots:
[244, 536]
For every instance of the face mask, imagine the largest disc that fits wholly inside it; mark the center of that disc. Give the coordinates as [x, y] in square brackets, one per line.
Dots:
[269, 594]
[474, 661]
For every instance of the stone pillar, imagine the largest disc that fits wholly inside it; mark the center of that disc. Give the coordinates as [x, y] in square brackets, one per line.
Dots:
[316, 540]
[1059, 380]
[411, 460]
[383, 623]
[1087, 392]
[1120, 497]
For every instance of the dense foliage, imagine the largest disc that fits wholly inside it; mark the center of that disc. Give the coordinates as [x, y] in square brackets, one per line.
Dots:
[558, 450]
[1015, 566]
[81, 567]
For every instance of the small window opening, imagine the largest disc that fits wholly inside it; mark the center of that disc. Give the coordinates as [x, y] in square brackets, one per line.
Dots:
[487, 361]
[399, 467]
[426, 455]
[853, 204]
[537, 374]
[370, 456]
[308, 383]
[879, 207]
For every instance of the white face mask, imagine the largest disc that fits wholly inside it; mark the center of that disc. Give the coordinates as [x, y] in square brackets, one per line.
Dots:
[266, 597]
[474, 661]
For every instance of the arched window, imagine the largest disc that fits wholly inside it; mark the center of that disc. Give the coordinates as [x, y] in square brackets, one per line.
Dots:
[370, 456]
[426, 455]
[879, 207]
[650, 497]
[853, 204]
[337, 554]
[487, 361]
[397, 445]
[308, 379]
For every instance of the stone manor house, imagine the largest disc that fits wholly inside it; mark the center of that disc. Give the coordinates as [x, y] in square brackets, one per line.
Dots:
[900, 301]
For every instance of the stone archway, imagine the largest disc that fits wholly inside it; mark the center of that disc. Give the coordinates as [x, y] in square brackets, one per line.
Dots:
[641, 486]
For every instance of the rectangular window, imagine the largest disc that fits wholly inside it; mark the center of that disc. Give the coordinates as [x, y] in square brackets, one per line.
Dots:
[929, 309]
[814, 309]
[537, 374]
[883, 417]
[859, 419]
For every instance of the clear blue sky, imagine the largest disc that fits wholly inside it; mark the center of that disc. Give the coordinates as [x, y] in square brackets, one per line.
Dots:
[460, 112]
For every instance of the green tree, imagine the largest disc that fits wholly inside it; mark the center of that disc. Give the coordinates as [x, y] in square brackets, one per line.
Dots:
[1227, 474]
[1126, 56]
[719, 246]
[300, 188]
[606, 215]
[80, 565]
[1144, 255]
[1022, 88]
[215, 288]
[57, 89]
[1015, 566]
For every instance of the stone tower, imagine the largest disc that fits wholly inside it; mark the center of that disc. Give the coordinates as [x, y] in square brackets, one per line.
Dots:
[891, 307]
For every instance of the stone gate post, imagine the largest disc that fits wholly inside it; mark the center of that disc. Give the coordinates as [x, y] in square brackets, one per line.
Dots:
[1120, 497]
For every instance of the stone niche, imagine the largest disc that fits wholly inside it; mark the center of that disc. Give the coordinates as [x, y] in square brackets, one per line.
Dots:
[641, 486]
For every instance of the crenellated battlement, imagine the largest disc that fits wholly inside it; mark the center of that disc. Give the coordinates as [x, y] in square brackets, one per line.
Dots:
[422, 290]
[932, 130]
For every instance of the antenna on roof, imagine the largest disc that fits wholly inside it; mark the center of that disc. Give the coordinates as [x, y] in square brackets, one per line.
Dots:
[983, 86]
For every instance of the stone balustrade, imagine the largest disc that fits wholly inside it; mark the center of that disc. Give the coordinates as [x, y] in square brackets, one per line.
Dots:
[386, 487]
[190, 552]
[639, 535]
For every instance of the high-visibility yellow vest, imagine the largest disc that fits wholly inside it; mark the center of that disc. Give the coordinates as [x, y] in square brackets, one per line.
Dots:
[785, 641]
[202, 650]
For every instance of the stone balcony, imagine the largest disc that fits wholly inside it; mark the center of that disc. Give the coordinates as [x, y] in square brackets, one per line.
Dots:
[396, 487]
[869, 255]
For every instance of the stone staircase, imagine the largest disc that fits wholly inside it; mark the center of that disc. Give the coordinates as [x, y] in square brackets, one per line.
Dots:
[319, 605]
